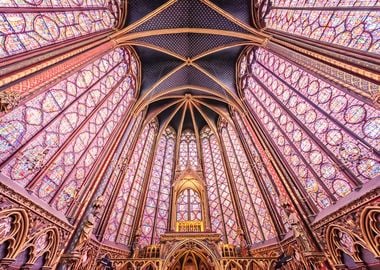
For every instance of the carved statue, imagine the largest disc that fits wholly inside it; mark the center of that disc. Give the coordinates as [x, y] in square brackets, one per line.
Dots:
[243, 243]
[8, 101]
[89, 224]
[98, 204]
[219, 246]
[136, 246]
[85, 233]
[298, 230]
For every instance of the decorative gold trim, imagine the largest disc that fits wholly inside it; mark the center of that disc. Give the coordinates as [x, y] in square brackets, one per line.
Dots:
[170, 31]
[234, 20]
[220, 48]
[156, 48]
[369, 225]
[162, 94]
[366, 73]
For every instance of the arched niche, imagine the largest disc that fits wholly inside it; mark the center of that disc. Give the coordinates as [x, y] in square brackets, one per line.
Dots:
[189, 183]
[191, 255]
[369, 224]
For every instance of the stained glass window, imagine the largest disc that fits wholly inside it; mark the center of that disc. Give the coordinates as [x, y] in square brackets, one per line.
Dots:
[118, 164]
[189, 206]
[263, 172]
[188, 153]
[156, 211]
[319, 128]
[124, 210]
[50, 143]
[349, 23]
[222, 212]
[256, 213]
[41, 23]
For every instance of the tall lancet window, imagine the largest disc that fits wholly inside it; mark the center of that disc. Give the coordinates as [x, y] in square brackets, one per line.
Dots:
[188, 153]
[31, 25]
[327, 136]
[124, 210]
[117, 166]
[222, 213]
[349, 23]
[156, 211]
[50, 143]
[262, 170]
[256, 213]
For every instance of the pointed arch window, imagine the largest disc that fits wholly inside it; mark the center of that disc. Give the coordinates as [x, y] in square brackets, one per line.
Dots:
[318, 128]
[53, 146]
[112, 176]
[271, 188]
[188, 153]
[124, 210]
[256, 213]
[156, 210]
[189, 206]
[349, 23]
[222, 212]
[188, 203]
[38, 24]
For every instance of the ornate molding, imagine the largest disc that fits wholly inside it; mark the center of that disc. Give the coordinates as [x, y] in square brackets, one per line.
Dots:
[347, 209]
[18, 200]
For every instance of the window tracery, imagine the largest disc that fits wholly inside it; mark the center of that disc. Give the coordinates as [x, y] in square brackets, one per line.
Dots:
[222, 212]
[189, 206]
[41, 23]
[255, 212]
[156, 210]
[271, 188]
[188, 153]
[118, 164]
[65, 128]
[318, 127]
[346, 23]
[120, 223]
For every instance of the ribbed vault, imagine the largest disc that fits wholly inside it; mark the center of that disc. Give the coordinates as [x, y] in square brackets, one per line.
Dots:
[189, 134]
[192, 52]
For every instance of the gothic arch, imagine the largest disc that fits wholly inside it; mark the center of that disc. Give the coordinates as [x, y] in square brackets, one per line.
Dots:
[43, 243]
[189, 180]
[371, 233]
[128, 266]
[149, 264]
[181, 247]
[234, 264]
[340, 240]
[259, 265]
[14, 224]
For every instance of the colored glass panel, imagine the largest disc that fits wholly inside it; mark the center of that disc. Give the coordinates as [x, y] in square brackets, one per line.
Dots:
[29, 30]
[256, 214]
[264, 174]
[346, 23]
[188, 153]
[65, 128]
[123, 213]
[222, 212]
[318, 127]
[156, 210]
[189, 207]
[117, 165]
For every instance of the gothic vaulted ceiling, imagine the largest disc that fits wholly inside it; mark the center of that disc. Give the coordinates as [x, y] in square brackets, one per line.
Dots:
[188, 51]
